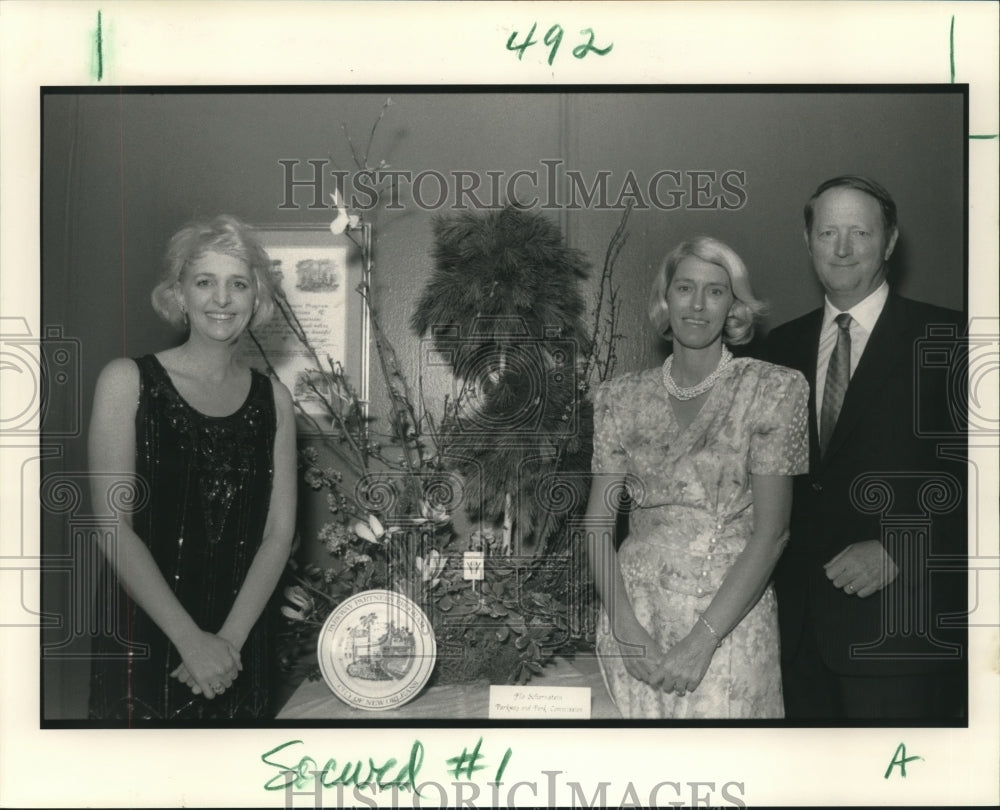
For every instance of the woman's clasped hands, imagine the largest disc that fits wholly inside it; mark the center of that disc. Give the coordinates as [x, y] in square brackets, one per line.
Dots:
[679, 670]
[210, 664]
[641, 655]
[684, 665]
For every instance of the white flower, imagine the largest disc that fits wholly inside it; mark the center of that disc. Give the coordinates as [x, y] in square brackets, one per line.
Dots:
[297, 595]
[437, 515]
[431, 567]
[372, 531]
[343, 221]
[293, 614]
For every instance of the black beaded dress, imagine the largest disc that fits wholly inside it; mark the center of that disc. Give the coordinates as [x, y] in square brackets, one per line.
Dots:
[208, 482]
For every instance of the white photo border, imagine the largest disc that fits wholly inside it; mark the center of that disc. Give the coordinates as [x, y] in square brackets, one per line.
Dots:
[48, 44]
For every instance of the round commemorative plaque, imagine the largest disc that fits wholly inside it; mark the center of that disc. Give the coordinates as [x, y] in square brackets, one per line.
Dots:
[376, 650]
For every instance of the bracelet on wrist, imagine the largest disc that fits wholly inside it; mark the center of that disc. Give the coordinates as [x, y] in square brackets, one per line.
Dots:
[716, 636]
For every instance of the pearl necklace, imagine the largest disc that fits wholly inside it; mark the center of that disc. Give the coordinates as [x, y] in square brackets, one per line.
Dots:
[699, 389]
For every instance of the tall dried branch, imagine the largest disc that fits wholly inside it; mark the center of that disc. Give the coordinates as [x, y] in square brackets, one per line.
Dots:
[603, 334]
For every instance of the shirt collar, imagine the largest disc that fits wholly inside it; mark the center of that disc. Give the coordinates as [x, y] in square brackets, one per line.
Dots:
[865, 312]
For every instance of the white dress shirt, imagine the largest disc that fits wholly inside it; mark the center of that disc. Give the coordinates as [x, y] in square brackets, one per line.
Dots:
[864, 314]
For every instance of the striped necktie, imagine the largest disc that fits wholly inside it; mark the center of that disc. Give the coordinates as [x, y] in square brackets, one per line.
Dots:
[838, 374]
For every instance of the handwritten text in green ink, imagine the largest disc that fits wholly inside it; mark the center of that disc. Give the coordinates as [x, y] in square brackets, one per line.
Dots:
[468, 763]
[346, 772]
[899, 760]
[97, 67]
[553, 39]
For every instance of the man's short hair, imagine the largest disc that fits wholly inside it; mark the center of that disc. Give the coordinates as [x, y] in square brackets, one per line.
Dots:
[869, 187]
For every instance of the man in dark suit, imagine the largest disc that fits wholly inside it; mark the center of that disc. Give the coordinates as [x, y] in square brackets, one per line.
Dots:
[871, 587]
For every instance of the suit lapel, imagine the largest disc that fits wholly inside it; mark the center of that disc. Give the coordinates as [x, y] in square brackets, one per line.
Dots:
[884, 355]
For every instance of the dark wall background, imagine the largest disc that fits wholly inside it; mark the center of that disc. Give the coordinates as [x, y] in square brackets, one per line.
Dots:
[122, 172]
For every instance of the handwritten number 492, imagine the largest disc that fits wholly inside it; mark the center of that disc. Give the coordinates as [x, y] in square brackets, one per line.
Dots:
[553, 39]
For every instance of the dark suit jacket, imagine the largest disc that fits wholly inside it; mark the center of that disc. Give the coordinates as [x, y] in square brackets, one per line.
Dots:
[882, 478]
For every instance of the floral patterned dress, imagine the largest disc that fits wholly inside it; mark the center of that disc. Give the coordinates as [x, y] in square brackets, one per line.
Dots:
[693, 516]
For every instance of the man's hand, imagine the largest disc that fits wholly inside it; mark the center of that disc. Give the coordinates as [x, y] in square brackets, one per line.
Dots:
[861, 569]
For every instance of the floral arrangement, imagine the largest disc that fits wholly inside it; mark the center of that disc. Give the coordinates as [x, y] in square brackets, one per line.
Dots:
[502, 584]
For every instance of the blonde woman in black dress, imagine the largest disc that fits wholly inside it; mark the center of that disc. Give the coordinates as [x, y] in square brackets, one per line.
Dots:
[210, 445]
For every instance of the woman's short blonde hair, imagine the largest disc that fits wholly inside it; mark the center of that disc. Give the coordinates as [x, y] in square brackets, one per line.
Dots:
[746, 308]
[226, 235]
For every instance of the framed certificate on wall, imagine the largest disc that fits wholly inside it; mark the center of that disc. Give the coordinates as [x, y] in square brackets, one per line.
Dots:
[320, 326]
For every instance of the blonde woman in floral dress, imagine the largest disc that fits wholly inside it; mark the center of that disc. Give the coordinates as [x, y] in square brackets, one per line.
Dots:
[706, 447]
